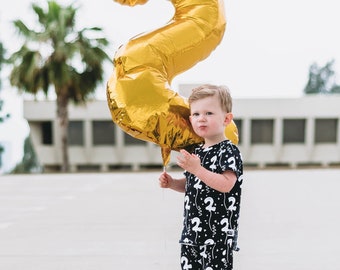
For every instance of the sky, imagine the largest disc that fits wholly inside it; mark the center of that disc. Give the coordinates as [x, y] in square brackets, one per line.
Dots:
[266, 51]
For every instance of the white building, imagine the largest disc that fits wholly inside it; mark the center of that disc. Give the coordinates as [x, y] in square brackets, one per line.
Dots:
[273, 132]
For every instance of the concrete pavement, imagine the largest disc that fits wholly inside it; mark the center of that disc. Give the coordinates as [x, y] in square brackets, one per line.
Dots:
[289, 220]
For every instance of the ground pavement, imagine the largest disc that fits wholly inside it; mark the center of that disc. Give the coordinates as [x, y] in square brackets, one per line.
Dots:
[100, 221]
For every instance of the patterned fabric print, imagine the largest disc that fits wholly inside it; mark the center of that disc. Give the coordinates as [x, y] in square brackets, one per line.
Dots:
[207, 257]
[210, 215]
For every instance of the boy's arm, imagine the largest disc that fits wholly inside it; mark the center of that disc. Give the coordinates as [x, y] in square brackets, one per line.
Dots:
[166, 181]
[178, 185]
[221, 182]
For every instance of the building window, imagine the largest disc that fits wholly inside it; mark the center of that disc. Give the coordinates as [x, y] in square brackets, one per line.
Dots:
[326, 130]
[129, 140]
[46, 133]
[262, 131]
[76, 133]
[294, 130]
[238, 123]
[103, 133]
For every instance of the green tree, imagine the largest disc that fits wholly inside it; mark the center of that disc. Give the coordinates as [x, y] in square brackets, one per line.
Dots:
[29, 162]
[321, 80]
[57, 55]
[2, 116]
[2, 58]
[2, 61]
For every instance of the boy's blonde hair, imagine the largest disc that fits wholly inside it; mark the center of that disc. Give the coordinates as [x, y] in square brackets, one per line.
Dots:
[208, 90]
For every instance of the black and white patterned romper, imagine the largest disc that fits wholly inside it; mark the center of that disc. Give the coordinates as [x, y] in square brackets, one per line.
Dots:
[211, 217]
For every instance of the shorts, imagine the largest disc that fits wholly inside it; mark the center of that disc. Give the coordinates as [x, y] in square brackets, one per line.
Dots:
[207, 257]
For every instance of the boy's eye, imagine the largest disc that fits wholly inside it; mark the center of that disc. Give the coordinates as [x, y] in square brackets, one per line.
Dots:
[206, 113]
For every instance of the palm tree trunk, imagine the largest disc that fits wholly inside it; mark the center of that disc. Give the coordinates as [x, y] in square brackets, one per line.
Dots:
[62, 115]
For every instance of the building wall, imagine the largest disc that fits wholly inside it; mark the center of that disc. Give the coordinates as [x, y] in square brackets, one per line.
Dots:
[273, 132]
[320, 141]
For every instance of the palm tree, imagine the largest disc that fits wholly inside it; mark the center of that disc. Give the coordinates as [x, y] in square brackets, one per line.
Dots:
[2, 58]
[57, 55]
[2, 52]
[2, 61]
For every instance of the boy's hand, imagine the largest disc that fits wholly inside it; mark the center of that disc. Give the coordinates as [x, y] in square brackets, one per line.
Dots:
[188, 162]
[165, 180]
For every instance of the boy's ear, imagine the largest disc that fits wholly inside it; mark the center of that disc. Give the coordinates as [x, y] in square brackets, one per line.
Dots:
[228, 118]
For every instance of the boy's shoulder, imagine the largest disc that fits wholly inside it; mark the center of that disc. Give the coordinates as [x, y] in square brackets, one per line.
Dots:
[228, 143]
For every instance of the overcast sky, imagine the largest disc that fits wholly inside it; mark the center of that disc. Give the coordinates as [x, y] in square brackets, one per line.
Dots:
[266, 51]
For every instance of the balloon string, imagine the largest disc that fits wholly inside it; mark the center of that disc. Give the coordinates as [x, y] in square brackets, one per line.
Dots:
[164, 227]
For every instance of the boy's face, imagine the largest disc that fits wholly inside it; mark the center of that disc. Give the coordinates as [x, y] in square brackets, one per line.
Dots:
[208, 119]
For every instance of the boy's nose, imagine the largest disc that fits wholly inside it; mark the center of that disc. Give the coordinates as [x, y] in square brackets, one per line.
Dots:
[201, 117]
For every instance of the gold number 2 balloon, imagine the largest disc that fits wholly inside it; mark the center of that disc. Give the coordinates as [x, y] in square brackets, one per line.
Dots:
[139, 96]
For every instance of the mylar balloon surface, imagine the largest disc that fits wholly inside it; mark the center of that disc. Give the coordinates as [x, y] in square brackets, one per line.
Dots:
[139, 95]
